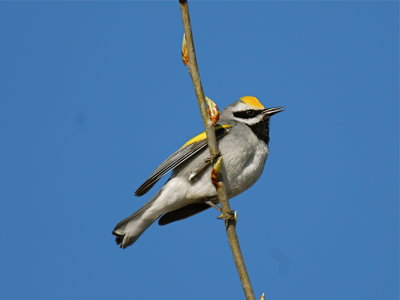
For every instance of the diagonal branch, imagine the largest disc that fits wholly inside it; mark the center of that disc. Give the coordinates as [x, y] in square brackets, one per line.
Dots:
[214, 152]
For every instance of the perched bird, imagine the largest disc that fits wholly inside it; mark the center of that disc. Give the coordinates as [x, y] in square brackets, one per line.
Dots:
[243, 136]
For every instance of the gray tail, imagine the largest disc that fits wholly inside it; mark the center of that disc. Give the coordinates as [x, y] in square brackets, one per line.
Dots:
[131, 228]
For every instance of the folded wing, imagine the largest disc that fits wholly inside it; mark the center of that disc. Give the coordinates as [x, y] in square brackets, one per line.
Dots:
[187, 151]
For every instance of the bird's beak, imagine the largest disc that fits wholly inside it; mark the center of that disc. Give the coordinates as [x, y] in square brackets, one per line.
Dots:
[271, 111]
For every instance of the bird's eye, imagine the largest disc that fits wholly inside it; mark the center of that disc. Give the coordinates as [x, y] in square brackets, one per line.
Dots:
[250, 113]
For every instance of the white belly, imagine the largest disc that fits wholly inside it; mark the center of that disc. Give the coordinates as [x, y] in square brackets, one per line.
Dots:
[244, 173]
[244, 161]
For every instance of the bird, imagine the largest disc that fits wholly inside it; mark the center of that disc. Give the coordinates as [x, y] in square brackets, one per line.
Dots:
[242, 134]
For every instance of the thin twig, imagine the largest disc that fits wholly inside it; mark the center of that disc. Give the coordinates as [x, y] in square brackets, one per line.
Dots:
[214, 152]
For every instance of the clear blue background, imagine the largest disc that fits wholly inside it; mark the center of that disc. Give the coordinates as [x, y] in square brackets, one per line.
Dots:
[93, 95]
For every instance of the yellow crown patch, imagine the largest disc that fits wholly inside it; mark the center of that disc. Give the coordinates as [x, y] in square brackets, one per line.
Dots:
[252, 101]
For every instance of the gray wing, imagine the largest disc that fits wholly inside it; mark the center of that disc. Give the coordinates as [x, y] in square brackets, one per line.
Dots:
[176, 159]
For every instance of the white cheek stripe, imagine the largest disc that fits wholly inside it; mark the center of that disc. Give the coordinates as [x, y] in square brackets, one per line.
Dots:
[250, 121]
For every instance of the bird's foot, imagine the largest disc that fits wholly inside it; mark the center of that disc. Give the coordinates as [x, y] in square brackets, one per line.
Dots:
[212, 158]
[230, 218]
[215, 157]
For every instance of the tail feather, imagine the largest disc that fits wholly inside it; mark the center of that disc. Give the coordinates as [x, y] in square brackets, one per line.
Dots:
[131, 228]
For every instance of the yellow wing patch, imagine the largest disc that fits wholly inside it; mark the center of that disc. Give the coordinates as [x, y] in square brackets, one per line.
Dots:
[202, 136]
[252, 101]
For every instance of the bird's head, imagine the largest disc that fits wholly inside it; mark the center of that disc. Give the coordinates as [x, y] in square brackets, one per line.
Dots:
[249, 110]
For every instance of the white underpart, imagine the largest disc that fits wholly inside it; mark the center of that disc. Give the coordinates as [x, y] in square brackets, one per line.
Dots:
[172, 197]
[244, 159]
[245, 162]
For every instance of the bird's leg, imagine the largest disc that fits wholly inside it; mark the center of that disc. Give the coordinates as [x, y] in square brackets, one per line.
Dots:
[194, 175]
[207, 163]
[212, 204]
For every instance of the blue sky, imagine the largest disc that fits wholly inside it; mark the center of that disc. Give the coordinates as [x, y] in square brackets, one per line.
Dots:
[94, 96]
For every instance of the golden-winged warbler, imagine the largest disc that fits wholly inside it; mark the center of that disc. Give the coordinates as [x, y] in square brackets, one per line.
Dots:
[243, 136]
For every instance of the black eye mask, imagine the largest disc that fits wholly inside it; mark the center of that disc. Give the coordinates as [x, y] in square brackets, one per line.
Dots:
[247, 114]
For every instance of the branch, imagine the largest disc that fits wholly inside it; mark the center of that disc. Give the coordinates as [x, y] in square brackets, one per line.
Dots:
[215, 153]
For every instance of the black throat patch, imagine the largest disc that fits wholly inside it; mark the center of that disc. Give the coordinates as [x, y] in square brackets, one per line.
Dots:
[261, 130]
